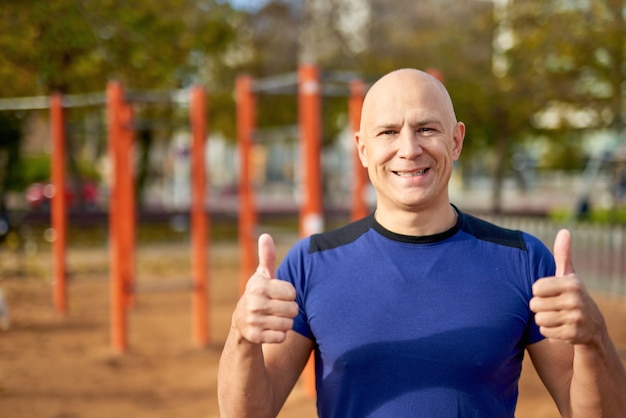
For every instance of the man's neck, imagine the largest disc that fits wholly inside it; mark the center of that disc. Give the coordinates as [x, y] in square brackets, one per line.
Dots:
[418, 222]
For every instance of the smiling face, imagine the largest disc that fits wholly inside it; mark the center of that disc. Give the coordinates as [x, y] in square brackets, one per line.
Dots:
[408, 140]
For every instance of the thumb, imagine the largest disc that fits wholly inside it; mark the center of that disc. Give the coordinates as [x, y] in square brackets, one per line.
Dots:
[267, 256]
[563, 253]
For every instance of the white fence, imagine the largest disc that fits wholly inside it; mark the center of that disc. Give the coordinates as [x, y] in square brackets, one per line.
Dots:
[598, 251]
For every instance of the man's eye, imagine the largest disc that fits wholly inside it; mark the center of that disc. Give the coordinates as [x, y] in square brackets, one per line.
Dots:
[424, 129]
[388, 132]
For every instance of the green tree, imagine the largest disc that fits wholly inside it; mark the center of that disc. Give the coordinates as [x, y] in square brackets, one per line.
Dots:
[77, 46]
[505, 63]
[570, 55]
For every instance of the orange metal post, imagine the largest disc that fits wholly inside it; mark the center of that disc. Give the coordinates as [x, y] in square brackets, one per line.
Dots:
[246, 116]
[127, 219]
[310, 120]
[355, 104]
[311, 215]
[115, 99]
[199, 218]
[59, 208]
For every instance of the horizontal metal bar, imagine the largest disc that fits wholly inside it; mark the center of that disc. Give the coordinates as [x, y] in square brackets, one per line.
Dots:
[94, 99]
[82, 100]
[286, 84]
[333, 90]
[340, 76]
[158, 96]
[276, 83]
[43, 102]
[25, 103]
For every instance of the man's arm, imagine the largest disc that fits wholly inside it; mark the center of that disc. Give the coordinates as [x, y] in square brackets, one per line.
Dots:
[255, 380]
[578, 361]
[262, 357]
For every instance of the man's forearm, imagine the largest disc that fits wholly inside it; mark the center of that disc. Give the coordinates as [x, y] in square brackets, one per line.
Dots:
[598, 381]
[243, 385]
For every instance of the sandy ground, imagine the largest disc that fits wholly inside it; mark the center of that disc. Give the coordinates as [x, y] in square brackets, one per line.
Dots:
[63, 367]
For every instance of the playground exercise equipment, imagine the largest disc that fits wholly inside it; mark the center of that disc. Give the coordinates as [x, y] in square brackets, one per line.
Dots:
[310, 90]
[122, 214]
[58, 207]
[56, 105]
[308, 84]
[122, 210]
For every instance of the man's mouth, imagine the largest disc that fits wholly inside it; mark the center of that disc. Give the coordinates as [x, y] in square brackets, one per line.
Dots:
[413, 173]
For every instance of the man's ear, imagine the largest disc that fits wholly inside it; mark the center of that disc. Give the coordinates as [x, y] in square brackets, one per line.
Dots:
[360, 147]
[458, 137]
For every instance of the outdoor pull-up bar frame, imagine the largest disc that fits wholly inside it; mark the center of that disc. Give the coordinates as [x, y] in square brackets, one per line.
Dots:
[310, 90]
[246, 119]
[58, 207]
[310, 120]
[56, 105]
[199, 219]
[122, 216]
[359, 208]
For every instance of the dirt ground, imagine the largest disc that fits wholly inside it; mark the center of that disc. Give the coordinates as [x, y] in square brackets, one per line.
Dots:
[64, 367]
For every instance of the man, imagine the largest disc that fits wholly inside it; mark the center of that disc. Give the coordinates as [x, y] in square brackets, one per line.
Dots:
[418, 310]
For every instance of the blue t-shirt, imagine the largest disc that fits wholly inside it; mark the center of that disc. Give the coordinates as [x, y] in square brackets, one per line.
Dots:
[406, 326]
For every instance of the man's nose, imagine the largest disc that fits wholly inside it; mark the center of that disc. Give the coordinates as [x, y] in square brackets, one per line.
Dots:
[409, 144]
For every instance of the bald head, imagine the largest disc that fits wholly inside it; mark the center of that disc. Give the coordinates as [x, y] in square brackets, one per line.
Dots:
[409, 140]
[401, 84]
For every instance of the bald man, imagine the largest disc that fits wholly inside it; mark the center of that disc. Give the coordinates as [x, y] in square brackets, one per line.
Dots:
[418, 310]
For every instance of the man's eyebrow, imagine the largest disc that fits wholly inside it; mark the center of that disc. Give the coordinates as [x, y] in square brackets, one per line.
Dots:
[386, 125]
[393, 125]
[428, 122]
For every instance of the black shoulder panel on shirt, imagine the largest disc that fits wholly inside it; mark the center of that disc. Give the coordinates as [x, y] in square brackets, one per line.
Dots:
[338, 237]
[487, 231]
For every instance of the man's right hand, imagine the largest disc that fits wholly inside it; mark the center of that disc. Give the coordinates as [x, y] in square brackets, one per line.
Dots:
[265, 312]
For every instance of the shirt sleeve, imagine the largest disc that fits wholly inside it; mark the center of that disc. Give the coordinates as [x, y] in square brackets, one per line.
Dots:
[541, 265]
[293, 269]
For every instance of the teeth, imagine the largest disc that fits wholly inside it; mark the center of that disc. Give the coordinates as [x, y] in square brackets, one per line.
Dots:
[410, 173]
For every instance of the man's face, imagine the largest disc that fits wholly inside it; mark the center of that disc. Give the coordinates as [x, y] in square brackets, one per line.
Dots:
[409, 140]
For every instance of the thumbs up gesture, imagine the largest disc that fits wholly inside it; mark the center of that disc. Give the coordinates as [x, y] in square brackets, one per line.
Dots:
[267, 307]
[563, 308]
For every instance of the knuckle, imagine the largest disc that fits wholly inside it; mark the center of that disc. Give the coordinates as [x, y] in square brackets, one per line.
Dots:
[256, 286]
[574, 285]
[539, 318]
[254, 306]
[286, 290]
[293, 310]
[251, 322]
[575, 316]
[287, 324]
[534, 304]
[254, 335]
[569, 334]
[291, 292]
[570, 303]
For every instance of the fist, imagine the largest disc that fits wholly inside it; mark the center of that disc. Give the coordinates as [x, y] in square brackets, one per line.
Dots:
[265, 311]
[563, 308]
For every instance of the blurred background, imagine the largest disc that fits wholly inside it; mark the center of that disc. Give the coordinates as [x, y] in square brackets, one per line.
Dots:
[540, 86]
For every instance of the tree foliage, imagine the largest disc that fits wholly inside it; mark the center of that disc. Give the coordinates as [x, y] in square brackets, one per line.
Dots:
[573, 54]
[515, 68]
[75, 46]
